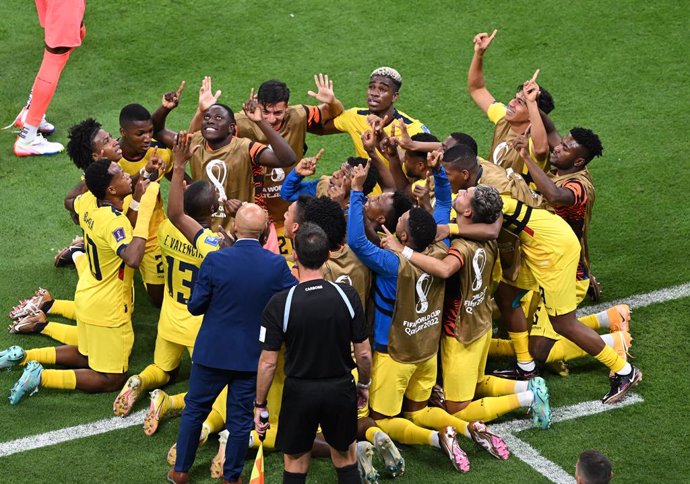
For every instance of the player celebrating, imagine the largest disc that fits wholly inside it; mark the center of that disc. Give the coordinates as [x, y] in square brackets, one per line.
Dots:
[103, 299]
[292, 123]
[62, 21]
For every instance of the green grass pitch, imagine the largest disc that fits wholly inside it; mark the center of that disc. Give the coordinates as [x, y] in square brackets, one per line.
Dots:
[619, 68]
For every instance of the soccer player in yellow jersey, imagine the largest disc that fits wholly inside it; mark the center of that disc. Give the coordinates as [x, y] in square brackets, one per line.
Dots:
[515, 119]
[550, 253]
[138, 149]
[103, 299]
[382, 94]
[177, 329]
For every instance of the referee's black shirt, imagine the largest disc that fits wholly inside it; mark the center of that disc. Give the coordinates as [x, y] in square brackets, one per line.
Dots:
[319, 330]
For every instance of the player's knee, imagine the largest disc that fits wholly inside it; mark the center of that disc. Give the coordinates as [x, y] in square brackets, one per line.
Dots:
[113, 382]
[540, 348]
[58, 50]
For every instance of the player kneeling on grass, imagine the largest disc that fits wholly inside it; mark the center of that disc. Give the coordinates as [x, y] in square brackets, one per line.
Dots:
[407, 333]
[103, 299]
[467, 315]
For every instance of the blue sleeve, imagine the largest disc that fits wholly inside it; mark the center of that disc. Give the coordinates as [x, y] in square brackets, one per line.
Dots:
[378, 260]
[288, 279]
[444, 200]
[293, 187]
[203, 288]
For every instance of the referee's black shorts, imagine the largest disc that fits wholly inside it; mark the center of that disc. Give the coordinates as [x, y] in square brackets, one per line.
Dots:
[331, 403]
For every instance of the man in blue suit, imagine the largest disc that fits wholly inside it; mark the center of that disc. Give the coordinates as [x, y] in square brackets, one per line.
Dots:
[232, 288]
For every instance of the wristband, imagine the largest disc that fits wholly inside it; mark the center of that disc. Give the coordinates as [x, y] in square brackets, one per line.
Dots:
[364, 386]
[407, 253]
[145, 174]
[134, 205]
[263, 404]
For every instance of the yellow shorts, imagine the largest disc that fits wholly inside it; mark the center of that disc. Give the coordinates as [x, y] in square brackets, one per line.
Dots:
[167, 355]
[284, 244]
[151, 267]
[550, 253]
[463, 366]
[108, 349]
[391, 381]
[542, 323]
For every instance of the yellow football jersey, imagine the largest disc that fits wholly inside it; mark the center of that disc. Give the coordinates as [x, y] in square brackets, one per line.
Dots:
[133, 168]
[104, 293]
[181, 262]
[354, 122]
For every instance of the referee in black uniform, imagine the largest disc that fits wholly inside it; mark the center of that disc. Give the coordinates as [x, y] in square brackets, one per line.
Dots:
[317, 320]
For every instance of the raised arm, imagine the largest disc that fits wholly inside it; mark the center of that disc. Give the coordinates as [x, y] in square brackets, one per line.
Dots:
[477, 231]
[281, 154]
[330, 106]
[189, 227]
[475, 77]
[540, 141]
[555, 195]
[206, 99]
[168, 103]
[386, 180]
[134, 252]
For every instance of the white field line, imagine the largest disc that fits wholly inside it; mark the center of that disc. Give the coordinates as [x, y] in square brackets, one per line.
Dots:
[71, 433]
[528, 454]
[641, 300]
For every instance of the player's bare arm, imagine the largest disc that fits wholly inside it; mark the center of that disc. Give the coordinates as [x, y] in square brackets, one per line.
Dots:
[169, 102]
[475, 77]
[363, 359]
[555, 195]
[268, 361]
[540, 142]
[281, 154]
[330, 106]
[370, 142]
[443, 268]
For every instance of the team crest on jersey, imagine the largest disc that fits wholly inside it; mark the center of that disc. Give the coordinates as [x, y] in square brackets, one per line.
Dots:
[211, 240]
[500, 152]
[119, 234]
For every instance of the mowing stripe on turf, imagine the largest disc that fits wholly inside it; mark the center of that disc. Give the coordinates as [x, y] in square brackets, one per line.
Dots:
[71, 433]
[641, 300]
[528, 454]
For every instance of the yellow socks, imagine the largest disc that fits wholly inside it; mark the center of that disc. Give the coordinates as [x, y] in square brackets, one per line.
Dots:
[60, 379]
[44, 356]
[371, 432]
[489, 408]
[591, 321]
[610, 358]
[177, 401]
[269, 440]
[521, 345]
[153, 377]
[81, 263]
[403, 431]
[565, 350]
[64, 308]
[492, 386]
[436, 418]
[64, 333]
[215, 421]
[501, 347]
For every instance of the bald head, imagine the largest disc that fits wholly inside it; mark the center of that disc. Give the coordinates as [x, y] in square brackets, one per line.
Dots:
[250, 221]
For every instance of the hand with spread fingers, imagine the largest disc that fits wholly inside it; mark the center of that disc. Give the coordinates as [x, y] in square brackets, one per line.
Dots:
[483, 41]
[324, 89]
[172, 99]
[404, 140]
[206, 96]
[434, 159]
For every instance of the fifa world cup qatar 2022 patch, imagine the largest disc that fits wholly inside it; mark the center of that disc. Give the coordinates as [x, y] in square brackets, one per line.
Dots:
[119, 234]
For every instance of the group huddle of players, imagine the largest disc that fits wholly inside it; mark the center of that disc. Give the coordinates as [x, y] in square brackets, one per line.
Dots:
[437, 241]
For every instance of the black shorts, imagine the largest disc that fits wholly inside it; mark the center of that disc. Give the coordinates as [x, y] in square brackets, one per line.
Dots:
[307, 404]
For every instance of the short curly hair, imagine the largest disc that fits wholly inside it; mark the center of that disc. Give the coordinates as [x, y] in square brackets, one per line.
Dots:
[589, 141]
[486, 204]
[328, 215]
[80, 144]
[98, 178]
[422, 228]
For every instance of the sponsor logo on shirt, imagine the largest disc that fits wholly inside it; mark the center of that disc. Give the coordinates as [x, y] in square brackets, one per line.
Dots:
[211, 240]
